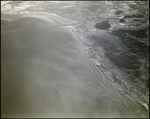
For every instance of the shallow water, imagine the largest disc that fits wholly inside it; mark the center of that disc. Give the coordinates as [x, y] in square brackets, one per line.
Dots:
[56, 63]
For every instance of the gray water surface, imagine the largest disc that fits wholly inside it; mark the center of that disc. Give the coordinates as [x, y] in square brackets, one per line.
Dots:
[56, 63]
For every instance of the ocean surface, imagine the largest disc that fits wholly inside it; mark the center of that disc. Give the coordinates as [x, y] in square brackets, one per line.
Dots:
[75, 59]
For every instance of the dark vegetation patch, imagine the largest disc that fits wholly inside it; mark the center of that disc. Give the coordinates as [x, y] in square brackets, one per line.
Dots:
[127, 52]
[124, 60]
[136, 19]
[134, 16]
[108, 44]
[122, 20]
[132, 5]
[118, 12]
[139, 34]
[134, 45]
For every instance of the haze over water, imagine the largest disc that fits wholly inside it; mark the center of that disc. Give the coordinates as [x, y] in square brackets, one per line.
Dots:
[75, 59]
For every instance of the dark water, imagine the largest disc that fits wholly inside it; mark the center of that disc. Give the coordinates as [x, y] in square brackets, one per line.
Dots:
[75, 59]
[102, 25]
